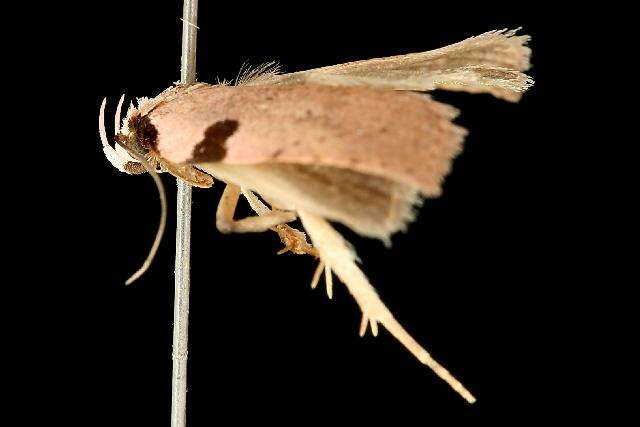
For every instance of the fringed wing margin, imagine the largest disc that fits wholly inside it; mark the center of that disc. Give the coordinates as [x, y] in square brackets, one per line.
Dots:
[492, 63]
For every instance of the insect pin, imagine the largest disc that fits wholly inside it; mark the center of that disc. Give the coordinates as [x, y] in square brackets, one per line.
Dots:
[352, 143]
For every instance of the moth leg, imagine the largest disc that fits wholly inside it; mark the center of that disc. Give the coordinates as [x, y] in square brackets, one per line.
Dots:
[254, 224]
[293, 240]
[339, 257]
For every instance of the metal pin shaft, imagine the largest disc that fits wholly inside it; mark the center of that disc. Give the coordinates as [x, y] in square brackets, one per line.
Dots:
[183, 238]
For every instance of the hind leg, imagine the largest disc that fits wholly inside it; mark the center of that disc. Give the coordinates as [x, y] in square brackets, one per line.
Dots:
[293, 240]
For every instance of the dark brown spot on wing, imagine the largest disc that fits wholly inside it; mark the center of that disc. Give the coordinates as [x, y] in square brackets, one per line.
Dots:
[212, 147]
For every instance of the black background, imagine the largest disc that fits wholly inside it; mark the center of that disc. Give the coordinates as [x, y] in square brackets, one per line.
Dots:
[471, 280]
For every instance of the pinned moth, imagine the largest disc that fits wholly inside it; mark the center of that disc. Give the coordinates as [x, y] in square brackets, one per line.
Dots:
[352, 143]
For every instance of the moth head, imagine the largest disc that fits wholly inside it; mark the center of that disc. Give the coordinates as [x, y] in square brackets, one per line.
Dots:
[134, 151]
[132, 155]
[133, 140]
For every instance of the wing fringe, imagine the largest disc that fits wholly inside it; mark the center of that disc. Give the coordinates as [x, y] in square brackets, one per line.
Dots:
[492, 62]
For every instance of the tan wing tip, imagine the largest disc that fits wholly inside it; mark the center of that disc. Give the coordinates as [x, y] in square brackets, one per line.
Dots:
[508, 56]
[521, 52]
[518, 44]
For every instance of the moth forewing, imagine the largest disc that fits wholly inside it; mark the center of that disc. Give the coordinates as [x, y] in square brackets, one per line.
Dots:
[405, 137]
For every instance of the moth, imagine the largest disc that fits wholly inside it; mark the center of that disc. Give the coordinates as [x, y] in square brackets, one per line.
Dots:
[355, 143]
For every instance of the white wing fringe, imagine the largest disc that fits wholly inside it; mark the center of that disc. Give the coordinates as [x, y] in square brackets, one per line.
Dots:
[336, 255]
